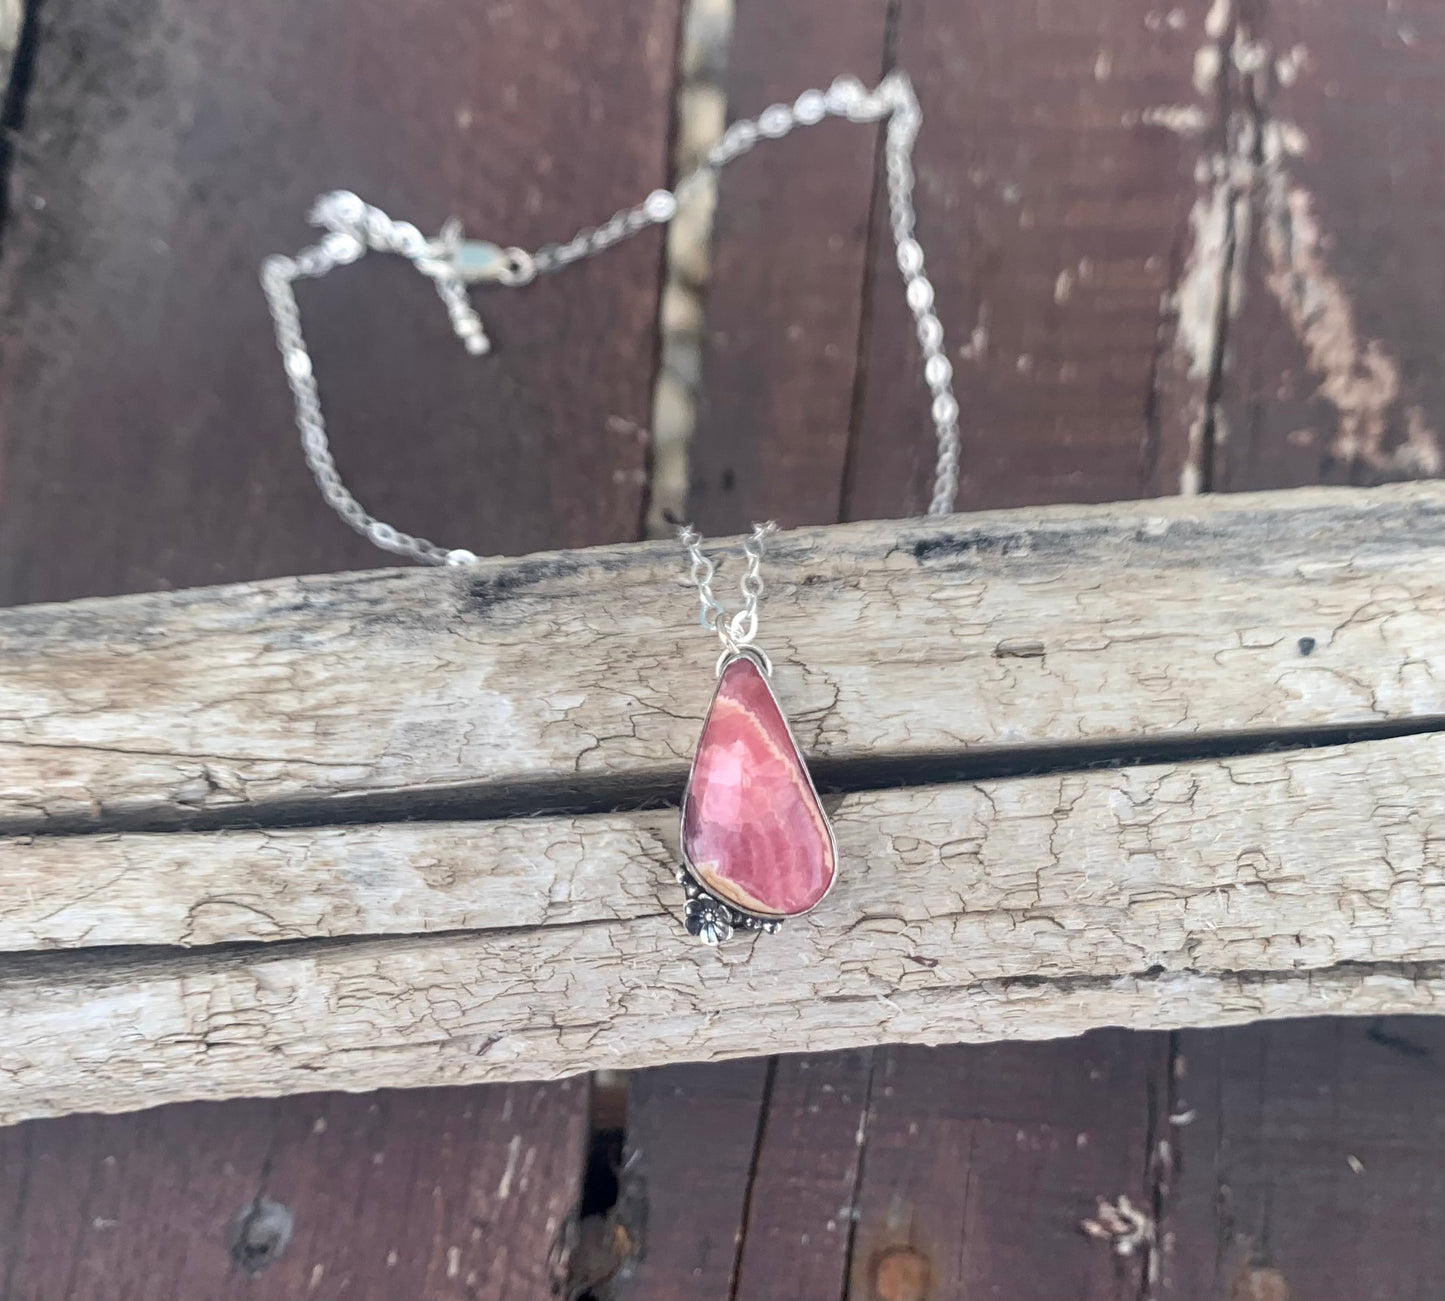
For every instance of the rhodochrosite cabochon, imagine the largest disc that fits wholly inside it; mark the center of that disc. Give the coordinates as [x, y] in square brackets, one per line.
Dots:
[753, 831]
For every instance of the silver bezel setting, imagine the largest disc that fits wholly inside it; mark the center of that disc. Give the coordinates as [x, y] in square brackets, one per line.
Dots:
[707, 916]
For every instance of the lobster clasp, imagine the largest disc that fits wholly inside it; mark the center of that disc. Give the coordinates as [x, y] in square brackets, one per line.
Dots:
[479, 262]
[475, 261]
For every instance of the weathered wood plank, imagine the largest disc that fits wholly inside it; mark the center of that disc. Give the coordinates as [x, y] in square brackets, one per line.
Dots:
[1313, 1163]
[1216, 863]
[1052, 211]
[146, 442]
[129, 289]
[411, 1019]
[1055, 627]
[1203, 892]
[690, 1246]
[381, 879]
[980, 1163]
[437, 1193]
[785, 305]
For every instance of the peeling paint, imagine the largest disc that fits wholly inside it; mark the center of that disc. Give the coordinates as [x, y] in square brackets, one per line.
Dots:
[1182, 119]
[1197, 300]
[976, 349]
[1245, 185]
[514, 1148]
[1174, 20]
[1358, 376]
[1288, 66]
[1420, 453]
[1207, 64]
[1283, 138]
[1250, 57]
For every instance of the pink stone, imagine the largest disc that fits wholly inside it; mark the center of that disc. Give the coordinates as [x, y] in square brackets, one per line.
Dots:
[753, 831]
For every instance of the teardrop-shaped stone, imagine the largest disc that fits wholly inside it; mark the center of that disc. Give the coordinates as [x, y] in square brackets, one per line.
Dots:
[753, 831]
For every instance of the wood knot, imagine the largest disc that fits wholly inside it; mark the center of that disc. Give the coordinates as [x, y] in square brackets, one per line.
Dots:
[901, 1274]
[1259, 1283]
[260, 1234]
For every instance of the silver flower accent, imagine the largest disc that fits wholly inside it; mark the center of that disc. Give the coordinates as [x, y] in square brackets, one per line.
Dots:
[708, 919]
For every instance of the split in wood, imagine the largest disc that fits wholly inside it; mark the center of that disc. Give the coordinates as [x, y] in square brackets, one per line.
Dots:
[1265, 843]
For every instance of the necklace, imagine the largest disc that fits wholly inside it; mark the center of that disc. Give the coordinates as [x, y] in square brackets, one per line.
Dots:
[757, 846]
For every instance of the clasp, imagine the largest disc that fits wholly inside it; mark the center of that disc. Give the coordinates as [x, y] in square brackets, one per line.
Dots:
[476, 261]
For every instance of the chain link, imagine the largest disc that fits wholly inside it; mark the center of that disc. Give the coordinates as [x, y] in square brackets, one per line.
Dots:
[452, 262]
[737, 630]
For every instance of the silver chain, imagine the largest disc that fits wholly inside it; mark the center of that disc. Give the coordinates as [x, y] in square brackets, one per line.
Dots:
[738, 629]
[452, 262]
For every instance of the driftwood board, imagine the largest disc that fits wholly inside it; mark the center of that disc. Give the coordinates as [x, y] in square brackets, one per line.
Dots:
[570, 678]
[1203, 740]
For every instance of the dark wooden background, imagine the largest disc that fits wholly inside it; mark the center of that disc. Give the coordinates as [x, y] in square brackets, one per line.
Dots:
[1070, 159]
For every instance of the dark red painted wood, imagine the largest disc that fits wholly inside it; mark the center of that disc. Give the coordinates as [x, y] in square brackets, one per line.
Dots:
[981, 1161]
[804, 1193]
[428, 1193]
[145, 429]
[1000, 140]
[146, 441]
[785, 303]
[438, 1192]
[1058, 173]
[1052, 216]
[1337, 322]
[1336, 348]
[129, 1205]
[1314, 1161]
[692, 1135]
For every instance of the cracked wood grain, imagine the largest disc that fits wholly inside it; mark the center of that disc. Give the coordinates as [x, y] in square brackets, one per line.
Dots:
[1203, 893]
[569, 670]
[1297, 858]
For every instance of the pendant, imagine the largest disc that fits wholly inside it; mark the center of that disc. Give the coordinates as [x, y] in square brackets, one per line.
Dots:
[756, 844]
